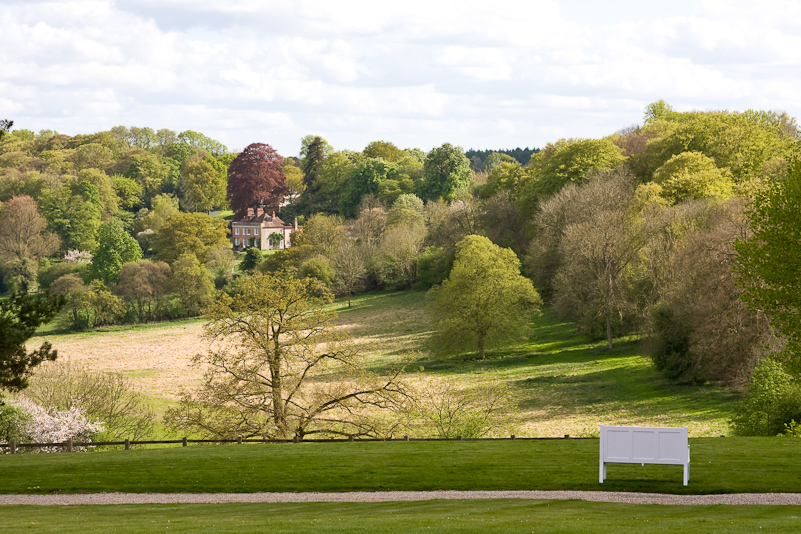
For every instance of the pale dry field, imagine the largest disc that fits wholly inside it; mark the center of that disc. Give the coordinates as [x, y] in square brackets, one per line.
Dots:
[157, 359]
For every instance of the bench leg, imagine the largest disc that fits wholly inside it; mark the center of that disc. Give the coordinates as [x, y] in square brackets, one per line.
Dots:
[686, 474]
[602, 473]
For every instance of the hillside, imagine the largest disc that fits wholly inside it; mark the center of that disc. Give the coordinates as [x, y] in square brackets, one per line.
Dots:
[563, 382]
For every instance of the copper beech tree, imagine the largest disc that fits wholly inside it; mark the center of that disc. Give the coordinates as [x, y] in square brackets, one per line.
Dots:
[278, 368]
[256, 177]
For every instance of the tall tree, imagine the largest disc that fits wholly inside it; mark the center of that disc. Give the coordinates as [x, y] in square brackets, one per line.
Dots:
[189, 233]
[256, 177]
[598, 245]
[770, 260]
[276, 337]
[201, 185]
[445, 171]
[22, 231]
[313, 154]
[115, 248]
[20, 315]
[484, 302]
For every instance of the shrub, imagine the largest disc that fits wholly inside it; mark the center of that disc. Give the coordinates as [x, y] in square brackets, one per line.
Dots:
[103, 396]
[773, 402]
[13, 421]
[51, 425]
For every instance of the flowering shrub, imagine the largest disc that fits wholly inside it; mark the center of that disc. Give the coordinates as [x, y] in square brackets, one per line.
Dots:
[50, 425]
[78, 256]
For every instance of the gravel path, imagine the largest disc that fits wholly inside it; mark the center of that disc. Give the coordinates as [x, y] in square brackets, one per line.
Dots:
[388, 496]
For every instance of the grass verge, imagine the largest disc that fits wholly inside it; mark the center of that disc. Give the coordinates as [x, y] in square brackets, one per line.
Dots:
[480, 516]
[719, 465]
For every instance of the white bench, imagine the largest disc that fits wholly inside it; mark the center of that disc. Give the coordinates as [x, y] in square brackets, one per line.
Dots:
[644, 445]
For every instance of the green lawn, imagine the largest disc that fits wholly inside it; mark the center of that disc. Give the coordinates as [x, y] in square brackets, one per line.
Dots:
[719, 465]
[480, 516]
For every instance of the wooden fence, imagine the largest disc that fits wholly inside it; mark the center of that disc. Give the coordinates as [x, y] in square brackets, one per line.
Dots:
[70, 445]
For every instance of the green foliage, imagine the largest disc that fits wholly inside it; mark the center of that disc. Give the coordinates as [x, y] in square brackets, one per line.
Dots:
[144, 285]
[366, 179]
[129, 192]
[770, 260]
[202, 185]
[446, 170]
[21, 274]
[88, 306]
[189, 233]
[773, 401]
[670, 342]
[692, 175]
[484, 302]
[151, 172]
[73, 212]
[740, 142]
[193, 284]
[384, 150]
[319, 268]
[115, 248]
[563, 162]
[13, 421]
[504, 176]
[251, 259]
[20, 315]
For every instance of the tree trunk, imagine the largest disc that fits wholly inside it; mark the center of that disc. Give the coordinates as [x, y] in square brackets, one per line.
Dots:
[279, 410]
[481, 347]
[608, 307]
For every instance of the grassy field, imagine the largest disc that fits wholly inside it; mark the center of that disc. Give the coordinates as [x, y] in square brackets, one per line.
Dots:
[480, 516]
[719, 465]
[563, 382]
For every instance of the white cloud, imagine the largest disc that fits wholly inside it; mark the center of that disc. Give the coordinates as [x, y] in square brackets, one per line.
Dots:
[417, 73]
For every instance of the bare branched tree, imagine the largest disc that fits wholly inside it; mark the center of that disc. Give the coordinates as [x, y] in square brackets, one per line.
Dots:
[278, 368]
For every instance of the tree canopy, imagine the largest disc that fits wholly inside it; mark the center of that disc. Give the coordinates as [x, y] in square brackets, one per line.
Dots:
[485, 301]
[256, 177]
[770, 260]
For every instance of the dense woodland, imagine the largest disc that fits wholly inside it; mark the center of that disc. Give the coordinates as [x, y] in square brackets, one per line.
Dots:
[661, 229]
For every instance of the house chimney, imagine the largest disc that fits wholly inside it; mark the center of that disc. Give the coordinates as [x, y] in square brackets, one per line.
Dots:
[259, 211]
[273, 214]
[250, 212]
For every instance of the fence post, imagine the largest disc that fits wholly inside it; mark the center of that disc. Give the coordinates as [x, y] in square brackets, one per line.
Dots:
[127, 444]
[13, 446]
[69, 445]
[239, 439]
[350, 438]
[405, 437]
[459, 438]
[183, 442]
[513, 436]
[294, 439]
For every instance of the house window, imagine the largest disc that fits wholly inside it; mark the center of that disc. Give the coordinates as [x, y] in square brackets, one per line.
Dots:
[255, 231]
[247, 231]
[237, 241]
[236, 230]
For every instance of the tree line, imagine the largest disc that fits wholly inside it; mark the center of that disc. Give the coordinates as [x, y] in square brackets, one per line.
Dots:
[662, 229]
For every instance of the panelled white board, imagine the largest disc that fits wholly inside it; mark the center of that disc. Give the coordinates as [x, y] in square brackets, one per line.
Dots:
[644, 445]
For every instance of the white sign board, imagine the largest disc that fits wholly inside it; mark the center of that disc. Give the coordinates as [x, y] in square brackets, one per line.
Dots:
[644, 445]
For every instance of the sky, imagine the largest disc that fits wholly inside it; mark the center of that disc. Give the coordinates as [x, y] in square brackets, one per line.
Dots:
[418, 73]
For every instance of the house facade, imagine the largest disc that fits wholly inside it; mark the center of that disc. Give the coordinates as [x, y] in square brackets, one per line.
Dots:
[261, 230]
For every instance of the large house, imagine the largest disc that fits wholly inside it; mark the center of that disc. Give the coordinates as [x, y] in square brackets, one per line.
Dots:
[260, 230]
